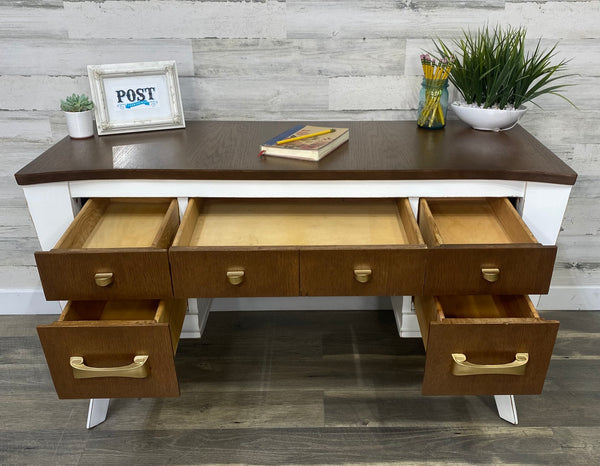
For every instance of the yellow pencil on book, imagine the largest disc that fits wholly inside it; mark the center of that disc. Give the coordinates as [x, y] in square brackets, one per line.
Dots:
[305, 136]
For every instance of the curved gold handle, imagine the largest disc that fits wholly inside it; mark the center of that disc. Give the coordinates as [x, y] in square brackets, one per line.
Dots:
[362, 275]
[460, 366]
[490, 275]
[137, 370]
[104, 278]
[235, 277]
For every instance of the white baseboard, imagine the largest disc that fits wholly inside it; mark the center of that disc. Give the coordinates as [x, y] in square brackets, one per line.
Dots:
[32, 301]
[26, 301]
[572, 298]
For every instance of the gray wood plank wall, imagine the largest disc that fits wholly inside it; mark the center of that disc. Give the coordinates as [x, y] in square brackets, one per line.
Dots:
[294, 59]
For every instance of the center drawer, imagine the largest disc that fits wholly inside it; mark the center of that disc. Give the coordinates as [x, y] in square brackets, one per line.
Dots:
[484, 345]
[114, 349]
[114, 249]
[482, 246]
[287, 247]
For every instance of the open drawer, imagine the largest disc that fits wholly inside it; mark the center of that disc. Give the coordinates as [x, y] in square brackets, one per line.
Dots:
[114, 249]
[114, 349]
[287, 247]
[484, 345]
[482, 246]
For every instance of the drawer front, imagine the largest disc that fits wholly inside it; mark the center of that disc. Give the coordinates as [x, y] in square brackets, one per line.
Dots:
[109, 346]
[509, 269]
[72, 274]
[488, 344]
[366, 272]
[478, 349]
[234, 273]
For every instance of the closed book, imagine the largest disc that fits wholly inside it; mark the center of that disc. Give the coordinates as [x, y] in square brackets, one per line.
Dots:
[312, 148]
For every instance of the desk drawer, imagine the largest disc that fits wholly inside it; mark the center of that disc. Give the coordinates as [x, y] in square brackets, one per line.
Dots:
[230, 248]
[482, 246]
[287, 247]
[114, 249]
[484, 345]
[233, 273]
[362, 272]
[114, 349]
[369, 247]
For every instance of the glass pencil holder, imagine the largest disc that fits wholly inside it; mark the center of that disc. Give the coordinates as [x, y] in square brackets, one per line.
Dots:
[433, 103]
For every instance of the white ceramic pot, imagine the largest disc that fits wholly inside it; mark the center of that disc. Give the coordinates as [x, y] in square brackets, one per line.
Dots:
[80, 124]
[488, 119]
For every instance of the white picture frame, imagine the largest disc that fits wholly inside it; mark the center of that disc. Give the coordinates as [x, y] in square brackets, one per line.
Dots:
[132, 97]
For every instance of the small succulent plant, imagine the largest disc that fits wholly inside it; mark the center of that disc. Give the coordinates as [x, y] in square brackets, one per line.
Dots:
[76, 103]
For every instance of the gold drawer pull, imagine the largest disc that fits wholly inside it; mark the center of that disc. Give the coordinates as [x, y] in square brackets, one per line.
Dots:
[460, 366]
[104, 278]
[490, 275]
[235, 277]
[362, 275]
[137, 370]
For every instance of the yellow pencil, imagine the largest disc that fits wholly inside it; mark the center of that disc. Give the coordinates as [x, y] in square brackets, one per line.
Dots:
[297, 138]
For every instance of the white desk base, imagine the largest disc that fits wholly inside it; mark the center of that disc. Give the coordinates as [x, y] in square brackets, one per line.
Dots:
[53, 206]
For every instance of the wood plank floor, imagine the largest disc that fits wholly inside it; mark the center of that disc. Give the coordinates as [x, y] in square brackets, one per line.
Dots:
[328, 387]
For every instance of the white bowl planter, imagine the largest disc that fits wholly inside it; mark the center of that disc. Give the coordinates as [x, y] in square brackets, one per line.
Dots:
[488, 119]
[80, 124]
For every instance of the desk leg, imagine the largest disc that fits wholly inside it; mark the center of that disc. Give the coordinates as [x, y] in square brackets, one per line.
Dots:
[507, 409]
[97, 411]
[406, 318]
[203, 305]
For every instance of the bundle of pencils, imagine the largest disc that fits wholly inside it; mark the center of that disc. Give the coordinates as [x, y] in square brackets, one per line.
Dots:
[436, 77]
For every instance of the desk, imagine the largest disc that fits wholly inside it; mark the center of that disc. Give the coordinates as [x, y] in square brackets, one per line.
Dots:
[382, 161]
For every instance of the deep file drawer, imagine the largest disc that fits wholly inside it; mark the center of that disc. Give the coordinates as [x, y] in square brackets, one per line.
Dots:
[287, 247]
[114, 249]
[484, 345]
[114, 349]
[481, 246]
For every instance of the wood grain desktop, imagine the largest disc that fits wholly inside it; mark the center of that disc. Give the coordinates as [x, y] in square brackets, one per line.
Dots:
[377, 150]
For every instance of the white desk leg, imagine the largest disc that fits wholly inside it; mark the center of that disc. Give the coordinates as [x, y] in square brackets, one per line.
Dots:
[406, 318]
[52, 210]
[203, 305]
[507, 409]
[97, 411]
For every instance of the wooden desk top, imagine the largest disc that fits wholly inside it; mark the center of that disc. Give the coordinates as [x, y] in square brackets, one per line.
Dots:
[377, 150]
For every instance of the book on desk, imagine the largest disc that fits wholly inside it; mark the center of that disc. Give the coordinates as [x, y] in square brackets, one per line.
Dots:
[305, 142]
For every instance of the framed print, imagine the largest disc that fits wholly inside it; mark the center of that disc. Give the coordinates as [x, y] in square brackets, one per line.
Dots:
[131, 97]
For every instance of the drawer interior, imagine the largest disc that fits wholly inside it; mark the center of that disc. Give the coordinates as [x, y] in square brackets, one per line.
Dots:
[477, 309]
[472, 221]
[297, 222]
[485, 307]
[127, 312]
[113, 310]
[122, 223]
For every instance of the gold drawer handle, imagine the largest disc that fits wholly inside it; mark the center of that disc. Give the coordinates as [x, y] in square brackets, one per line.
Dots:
[460, 366]
[104, 278]
[490, 275]
[362, 275]
[235, 277]
[137, 370]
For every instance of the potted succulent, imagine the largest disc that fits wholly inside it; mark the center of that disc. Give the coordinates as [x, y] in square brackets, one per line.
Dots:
[495, 75]
[78, 112]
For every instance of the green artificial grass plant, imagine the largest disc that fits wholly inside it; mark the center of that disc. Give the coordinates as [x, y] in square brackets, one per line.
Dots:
[493, 69]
